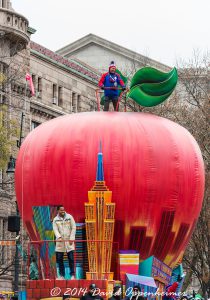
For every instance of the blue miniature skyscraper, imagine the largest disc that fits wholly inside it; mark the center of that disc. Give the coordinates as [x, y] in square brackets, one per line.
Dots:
[100, 169]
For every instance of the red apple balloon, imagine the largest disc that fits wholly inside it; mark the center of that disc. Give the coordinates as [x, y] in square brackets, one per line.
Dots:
[152, 165]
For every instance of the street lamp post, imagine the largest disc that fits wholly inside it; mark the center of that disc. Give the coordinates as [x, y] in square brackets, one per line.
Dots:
[11, 170]
[14, 228]
[16, 288]
[19, 142]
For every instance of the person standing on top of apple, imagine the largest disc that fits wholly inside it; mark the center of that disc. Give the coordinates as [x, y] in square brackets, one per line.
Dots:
[109, 82]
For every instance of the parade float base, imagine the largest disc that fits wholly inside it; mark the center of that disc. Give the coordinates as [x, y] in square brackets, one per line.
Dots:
[51, 288]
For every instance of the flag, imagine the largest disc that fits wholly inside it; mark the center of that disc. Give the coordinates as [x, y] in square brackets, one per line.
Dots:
[29, 78]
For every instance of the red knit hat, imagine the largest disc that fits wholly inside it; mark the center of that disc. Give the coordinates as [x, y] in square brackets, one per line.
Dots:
[112, 64]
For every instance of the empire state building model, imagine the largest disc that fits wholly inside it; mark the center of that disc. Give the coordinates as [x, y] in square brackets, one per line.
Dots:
[99, 213]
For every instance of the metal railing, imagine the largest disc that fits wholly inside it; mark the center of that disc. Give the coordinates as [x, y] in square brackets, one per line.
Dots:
[100, 91]
[42, 254]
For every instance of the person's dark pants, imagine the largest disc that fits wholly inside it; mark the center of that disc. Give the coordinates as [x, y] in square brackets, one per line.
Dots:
[107, 100]
[59, 260]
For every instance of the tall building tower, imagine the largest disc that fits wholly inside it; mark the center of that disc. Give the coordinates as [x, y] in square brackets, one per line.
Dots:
[14, 37]
[14, 29]
[99, 213]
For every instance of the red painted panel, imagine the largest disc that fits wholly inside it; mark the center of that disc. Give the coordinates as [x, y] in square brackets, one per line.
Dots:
[32, 284]
[44, 293]
[36, 293]
[40, 284]
[60, 283]
[29, 293]
[49, 283]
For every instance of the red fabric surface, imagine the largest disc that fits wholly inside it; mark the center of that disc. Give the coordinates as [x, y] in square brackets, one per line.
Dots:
[153, 167]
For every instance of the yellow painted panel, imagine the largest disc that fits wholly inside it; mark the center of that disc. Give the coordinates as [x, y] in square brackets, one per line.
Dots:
[129, 255]
[108, 196]
[92, 196]
[55, 298]
[129, 259]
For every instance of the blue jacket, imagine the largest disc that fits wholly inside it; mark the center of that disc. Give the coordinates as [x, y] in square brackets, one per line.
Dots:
[111, 80]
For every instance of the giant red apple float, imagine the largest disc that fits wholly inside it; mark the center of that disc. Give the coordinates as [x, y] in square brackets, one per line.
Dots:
[152, 165]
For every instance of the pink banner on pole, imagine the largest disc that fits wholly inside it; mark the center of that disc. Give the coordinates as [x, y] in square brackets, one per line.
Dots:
[29, 78]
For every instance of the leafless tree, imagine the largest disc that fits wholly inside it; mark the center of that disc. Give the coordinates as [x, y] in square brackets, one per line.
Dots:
[195, 78]
[189, 106]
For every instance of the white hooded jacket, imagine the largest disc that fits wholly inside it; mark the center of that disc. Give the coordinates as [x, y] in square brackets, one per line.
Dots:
[64, 228]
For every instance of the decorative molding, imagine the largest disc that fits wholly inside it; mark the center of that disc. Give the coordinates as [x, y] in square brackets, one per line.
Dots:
[71, 65]
[45, 110]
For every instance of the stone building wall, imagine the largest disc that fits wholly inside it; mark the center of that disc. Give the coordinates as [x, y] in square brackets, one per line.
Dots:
[58, 87]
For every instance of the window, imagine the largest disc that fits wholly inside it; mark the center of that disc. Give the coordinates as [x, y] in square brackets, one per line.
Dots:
[34, 124]
[39, 87]
[55, 97]
[34, 79]
[79, 108]
[74, 102]
[19, 89]
[60, 96]
[2, 99]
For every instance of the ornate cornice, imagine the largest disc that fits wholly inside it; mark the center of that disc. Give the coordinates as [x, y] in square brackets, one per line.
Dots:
[71, 65]
[45, 110]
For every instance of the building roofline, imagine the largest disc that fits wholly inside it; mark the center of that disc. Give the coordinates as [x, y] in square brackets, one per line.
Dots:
[94, 39]
[84, 71]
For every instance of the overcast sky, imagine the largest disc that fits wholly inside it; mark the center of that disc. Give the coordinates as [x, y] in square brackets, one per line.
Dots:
[164, 30]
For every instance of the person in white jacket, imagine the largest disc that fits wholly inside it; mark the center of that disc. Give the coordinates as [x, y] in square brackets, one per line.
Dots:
[64, 228]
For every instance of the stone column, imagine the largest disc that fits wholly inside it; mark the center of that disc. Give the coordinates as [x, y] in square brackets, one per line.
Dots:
[10, 5]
